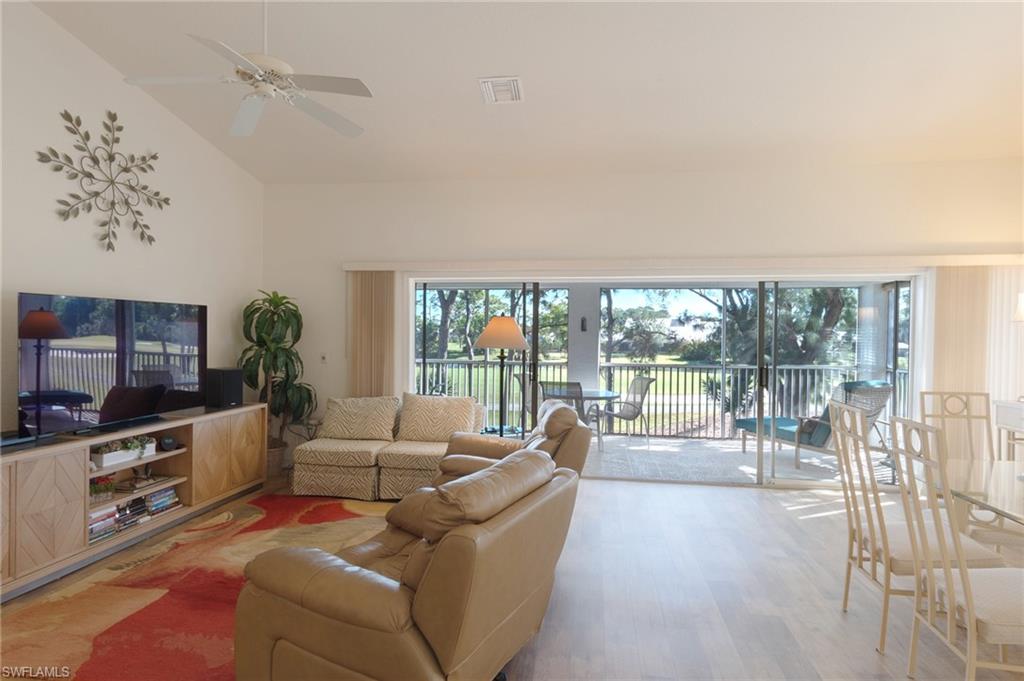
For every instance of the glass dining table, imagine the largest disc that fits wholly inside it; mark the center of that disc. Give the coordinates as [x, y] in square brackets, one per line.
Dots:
[994, 485]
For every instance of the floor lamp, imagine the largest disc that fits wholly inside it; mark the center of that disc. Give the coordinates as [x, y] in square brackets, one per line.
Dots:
[40, 325]
[501, 333]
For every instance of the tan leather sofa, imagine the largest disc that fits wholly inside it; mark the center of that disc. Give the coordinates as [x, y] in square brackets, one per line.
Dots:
[447, 591]
[559, 432]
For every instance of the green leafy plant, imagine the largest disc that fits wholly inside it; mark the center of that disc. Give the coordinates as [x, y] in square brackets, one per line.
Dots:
[270, 364]
[137, 444]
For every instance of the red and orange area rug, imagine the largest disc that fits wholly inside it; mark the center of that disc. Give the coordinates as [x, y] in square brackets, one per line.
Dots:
[166, 610]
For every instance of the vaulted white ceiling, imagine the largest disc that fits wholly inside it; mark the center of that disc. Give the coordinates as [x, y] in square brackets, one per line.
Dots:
[608, 87]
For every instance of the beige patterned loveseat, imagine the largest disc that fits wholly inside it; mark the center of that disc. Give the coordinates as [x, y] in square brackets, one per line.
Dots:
[381, 447]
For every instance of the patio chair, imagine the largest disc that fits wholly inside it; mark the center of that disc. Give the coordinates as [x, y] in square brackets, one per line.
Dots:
[815, 432]
[571, 392]
[144, 378]
[524, 388]
[631, 407]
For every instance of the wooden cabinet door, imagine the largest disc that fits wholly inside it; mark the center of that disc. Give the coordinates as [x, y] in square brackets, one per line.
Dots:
[211, 453]
[6, 506]
[50, 514]
[247, 448]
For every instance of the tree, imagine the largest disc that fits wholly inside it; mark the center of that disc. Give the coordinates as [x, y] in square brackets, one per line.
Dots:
[445, 299]
[638, 331]
[815, 325]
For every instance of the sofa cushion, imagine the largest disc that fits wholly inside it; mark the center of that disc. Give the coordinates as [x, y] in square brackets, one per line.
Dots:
[420, 455]
[329, 452]
[431, 418]
[360, 418]
[431, 512]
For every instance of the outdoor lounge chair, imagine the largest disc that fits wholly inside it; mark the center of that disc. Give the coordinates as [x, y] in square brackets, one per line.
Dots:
[815, 433]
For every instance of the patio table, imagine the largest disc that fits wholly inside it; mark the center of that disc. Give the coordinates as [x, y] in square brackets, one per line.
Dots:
[589, 395]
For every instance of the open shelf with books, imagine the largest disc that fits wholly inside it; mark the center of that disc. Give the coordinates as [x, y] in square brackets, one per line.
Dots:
[131, 509]
[113, 488]
[157, 485]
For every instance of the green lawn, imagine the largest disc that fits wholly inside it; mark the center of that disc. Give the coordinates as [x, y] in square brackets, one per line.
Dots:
[108, 343]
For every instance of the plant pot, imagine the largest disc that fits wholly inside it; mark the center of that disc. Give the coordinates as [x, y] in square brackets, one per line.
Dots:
[275, 457]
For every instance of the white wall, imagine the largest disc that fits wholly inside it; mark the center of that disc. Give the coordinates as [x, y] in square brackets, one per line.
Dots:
[914, 209]
[209, 241]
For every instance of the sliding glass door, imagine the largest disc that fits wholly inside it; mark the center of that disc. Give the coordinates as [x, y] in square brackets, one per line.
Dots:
[450, 316]
[844, 341]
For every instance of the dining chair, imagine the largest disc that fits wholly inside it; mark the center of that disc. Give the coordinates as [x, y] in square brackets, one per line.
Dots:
[965, 419]
[631, 407]
[986, 603]
[878, 545]
[571, 392]
[1015, 439]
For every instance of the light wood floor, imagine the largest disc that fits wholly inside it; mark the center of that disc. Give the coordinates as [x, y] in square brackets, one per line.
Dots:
[670, 581]
[667, 581]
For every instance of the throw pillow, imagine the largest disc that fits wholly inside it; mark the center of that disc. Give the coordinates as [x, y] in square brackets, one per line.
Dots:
[430, 418]
[360, 418]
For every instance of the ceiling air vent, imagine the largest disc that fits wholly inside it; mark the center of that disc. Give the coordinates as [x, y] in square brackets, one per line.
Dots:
[501, 90]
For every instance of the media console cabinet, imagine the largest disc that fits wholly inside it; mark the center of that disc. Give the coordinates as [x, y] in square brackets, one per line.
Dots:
[45, 503]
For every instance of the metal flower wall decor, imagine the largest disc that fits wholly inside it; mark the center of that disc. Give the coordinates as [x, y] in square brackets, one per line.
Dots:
[108, 180]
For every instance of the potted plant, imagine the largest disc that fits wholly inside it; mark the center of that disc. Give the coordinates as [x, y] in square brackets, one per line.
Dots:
[270, 364]
[101, 488]
[119, 451]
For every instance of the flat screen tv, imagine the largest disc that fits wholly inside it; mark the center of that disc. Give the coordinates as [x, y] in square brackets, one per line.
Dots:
[118, 361]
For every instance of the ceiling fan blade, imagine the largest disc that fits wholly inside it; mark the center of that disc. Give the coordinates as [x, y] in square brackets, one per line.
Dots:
[178, 80]
[332, 119]
[228, 53]
[249, 112]
[336, 84]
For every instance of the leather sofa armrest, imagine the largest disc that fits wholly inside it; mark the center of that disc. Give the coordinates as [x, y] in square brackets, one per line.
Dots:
[325, 584]
[488, 446]
[455, 466]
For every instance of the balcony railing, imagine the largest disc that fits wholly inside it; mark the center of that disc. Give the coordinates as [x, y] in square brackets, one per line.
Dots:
[695, 401]
[94, 371]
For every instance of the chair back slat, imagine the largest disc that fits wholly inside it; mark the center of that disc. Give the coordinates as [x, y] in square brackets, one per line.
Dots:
[919, 454]
[864, 513]
[965, 418]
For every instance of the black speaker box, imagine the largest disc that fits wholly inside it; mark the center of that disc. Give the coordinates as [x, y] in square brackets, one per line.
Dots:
[223, 387]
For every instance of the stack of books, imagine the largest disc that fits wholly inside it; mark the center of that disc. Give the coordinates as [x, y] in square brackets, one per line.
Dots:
[102, 523]
[131, 513]
[164, 500]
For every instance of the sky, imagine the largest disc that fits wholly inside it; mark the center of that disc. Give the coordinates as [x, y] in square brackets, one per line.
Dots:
[679, 301]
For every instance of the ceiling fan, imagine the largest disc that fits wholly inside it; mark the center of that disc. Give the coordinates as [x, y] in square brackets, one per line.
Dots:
[270, 78]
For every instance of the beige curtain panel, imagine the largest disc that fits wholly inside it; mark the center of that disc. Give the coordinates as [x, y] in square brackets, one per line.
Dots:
[371, 333]
[978, 346]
